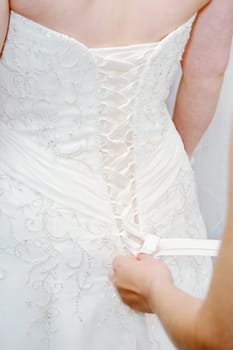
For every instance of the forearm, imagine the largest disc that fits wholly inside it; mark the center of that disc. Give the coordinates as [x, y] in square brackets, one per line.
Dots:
[195, 107]
[177, 312]
[217, 308]
[193, 324]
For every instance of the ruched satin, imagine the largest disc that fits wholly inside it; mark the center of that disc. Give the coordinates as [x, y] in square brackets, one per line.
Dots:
[89, 161]
[120, 72]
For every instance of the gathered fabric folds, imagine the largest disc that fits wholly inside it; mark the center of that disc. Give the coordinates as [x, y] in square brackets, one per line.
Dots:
[91, 166]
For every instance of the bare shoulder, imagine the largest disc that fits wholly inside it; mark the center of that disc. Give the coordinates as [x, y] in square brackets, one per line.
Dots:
[4, 18]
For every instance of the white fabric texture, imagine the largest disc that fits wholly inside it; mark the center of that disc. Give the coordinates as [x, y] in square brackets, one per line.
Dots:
[88, 152]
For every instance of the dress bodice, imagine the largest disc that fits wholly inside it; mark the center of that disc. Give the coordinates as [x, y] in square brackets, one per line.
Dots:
[89, 157]
[93, 118]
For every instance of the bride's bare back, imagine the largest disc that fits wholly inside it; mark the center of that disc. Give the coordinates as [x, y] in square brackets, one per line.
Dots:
[100, 23]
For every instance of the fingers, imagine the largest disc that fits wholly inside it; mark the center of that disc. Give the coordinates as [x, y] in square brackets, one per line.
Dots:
[141, 256]
[123, 272]
[117, 262]
[133, 300]
[121, 261]
[145, 257]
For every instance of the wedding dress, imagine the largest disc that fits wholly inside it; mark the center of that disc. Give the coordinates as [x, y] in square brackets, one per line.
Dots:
[88, 155]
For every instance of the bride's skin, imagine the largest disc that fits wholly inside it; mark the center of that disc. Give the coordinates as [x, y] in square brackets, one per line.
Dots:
[99, 23]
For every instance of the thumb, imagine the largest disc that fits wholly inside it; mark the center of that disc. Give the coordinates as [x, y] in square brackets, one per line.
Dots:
[142, 256]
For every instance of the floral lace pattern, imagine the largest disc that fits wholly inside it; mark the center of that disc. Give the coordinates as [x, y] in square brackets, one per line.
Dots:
[87, 150]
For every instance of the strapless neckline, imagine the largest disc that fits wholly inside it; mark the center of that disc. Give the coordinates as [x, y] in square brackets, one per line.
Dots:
[91, 166]
[45, 29]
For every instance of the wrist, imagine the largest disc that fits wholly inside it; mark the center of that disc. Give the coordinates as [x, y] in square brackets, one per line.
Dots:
[178, 312]
[158, 294]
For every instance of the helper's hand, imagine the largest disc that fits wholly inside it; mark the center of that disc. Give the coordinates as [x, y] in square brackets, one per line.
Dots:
[139, 279]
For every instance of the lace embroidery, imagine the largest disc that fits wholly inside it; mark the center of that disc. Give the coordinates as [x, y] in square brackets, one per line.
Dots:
[65, 102]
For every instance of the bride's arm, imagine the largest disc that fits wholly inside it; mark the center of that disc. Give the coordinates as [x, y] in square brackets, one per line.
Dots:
[204, 65]
[4, 18]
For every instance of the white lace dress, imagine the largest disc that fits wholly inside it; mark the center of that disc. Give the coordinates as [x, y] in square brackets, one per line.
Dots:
[87, 151]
